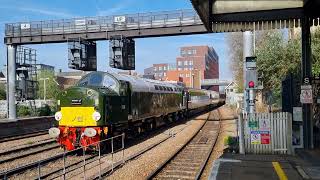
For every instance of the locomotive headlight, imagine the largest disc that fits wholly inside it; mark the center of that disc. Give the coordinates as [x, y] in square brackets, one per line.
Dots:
[90, 132]
[54, 132]
[58, 116]
[96, 116]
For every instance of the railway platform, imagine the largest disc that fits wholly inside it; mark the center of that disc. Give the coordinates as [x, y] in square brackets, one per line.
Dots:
[25, 125]
[303, 165]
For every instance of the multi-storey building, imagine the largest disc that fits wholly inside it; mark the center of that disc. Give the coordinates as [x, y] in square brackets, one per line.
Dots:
[160, 70]
[202, 58]
[194, 64]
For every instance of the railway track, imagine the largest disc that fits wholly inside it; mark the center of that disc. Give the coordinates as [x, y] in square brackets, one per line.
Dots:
[190, 160]
[23, 136]
[77, 163]
[10, 155]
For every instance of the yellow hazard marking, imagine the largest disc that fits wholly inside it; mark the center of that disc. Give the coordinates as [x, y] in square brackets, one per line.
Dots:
[77, 116]
[279, 171]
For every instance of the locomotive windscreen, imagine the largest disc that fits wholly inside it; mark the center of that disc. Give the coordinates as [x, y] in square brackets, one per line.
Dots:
[99, 79]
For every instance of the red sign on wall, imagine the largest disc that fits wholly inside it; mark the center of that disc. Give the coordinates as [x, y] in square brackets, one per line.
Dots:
[265, 138]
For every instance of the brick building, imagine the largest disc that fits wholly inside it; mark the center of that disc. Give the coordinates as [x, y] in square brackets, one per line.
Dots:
[160, 70]
[191, 78]
[194, 64]
[202, 58]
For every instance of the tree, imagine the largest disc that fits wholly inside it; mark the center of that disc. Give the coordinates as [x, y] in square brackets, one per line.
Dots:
[52, 88]
[235, 51]
[3, 94]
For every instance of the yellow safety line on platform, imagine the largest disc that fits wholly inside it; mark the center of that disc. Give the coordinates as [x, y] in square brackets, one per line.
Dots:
[279, 170]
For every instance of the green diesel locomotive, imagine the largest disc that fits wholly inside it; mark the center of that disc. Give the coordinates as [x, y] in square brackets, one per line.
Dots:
[103, 104]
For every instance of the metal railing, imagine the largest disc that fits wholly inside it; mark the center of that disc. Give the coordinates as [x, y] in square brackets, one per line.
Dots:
[87, 159]
[104, 23]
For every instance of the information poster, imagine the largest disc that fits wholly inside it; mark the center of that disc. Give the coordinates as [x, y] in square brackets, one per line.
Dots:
[260, 137]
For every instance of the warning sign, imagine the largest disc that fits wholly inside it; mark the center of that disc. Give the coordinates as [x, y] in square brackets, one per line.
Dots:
[260, 137]
[264, 124]
[255, 137]
[306, 94]
[265, 138]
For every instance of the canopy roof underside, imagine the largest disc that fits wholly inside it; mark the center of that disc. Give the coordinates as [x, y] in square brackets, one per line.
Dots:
[242, 15]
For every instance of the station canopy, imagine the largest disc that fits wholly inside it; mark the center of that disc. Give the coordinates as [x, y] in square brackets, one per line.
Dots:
[242, 15]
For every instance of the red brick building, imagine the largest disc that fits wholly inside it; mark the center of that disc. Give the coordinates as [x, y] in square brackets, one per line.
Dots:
[191, 78]
[202, 58]
[160, 70]
[202, 62]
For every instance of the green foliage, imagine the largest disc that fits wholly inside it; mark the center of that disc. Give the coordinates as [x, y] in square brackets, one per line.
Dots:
[52, 88]
[2, 92]
[235, 52]
[45, 111]
[23, 111]
[277, 57]
[231, 141]
[315, 46]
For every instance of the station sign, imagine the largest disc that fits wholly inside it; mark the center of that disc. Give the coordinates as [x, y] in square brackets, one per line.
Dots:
[25, 26]
[119, 19]
[80, 22]
[306, 94]
[297, 114]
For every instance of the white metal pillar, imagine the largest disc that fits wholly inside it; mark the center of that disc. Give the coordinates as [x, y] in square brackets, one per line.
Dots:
[247, 51]
[11, 81]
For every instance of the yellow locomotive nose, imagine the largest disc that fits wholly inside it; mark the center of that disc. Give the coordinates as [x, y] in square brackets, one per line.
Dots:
[79, 116]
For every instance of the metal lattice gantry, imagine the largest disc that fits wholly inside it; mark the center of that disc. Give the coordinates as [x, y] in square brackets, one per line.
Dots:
[102, 27]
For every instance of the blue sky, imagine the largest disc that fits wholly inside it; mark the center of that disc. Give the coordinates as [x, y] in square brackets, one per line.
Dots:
[148, 50]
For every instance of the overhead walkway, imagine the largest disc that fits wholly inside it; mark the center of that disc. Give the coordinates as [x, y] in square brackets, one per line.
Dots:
[101, 28]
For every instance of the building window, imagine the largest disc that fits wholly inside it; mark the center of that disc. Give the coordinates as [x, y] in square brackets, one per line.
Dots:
[179, 69]
[155, 74]
[164, 74]
[164, 68]
[183, 52]
[179, 63]
[185, 63]
[180, 75]
[155, 68]
[185, 68]
[194, 51]
[189, 52]
[187, 75]
[190, 62]
[160, 68]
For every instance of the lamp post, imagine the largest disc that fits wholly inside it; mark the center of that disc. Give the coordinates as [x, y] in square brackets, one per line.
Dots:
[44, 87]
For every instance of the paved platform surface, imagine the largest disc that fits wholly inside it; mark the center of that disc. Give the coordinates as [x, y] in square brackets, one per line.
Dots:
[262, 167]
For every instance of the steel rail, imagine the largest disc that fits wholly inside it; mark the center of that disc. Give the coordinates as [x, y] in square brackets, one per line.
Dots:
[202, 165]
[51, 159]
[118, 164]
[23, 136]
[28, 154]
[26, 147]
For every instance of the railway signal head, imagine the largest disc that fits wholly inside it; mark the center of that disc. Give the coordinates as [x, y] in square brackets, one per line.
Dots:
[251, 84]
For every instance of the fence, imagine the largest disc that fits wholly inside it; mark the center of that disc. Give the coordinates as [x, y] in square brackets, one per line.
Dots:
[265, 133]
[103, 23]
[78, 167]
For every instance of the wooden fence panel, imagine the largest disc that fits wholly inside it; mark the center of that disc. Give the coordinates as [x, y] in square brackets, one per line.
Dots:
[267, 133]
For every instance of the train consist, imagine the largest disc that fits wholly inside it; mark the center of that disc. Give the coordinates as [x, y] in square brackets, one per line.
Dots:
[103, 104]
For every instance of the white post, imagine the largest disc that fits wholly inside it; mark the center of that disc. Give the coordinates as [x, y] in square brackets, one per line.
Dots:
[11, 81]
[44, 87]
[247, 51]
[241, 135]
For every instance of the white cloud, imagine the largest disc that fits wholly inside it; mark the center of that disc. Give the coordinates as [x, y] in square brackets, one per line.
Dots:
[40, 11]
[116, 8]
[47, 12]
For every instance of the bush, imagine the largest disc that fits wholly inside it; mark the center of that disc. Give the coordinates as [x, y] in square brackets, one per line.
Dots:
[23, 111]
[44, 110]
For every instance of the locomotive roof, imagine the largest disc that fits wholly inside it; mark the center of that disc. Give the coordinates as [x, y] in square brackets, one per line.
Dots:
[142, 84]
